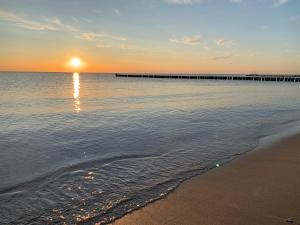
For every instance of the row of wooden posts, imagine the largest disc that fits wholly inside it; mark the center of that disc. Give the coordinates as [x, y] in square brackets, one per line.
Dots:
[278, 78]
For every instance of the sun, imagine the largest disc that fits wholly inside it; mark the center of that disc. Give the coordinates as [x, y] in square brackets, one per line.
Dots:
[75, 62]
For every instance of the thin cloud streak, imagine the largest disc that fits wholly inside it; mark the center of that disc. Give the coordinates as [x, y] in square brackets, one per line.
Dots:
[220, 57]
[53, 24]
[124, 47]
[192, 40]
[91, 36]
[116, 11]
[223, 42]
[278, 3]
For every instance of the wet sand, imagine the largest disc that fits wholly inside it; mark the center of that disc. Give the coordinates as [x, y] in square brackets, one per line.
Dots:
[259, 188]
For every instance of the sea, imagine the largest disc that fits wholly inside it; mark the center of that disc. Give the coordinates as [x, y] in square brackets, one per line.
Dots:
[79, 148]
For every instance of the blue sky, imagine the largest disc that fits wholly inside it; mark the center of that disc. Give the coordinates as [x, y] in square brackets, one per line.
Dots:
[152, 35]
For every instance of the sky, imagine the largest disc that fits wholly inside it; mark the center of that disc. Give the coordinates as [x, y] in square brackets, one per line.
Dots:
[213, 36]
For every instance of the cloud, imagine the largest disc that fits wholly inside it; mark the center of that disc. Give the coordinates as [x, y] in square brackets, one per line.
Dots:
[125, 47]
[102, 40]
[278, 3]
[56, 22]
[122, 46]
[221, 57]
[91, 36]
[223, 42]
[53, 24]
[116, 11]
[28, 24]
[192, 40]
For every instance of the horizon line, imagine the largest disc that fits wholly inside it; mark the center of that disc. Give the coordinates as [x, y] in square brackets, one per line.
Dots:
[188, 73]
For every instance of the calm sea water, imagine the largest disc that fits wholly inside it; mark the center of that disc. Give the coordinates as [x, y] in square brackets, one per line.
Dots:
[88, 148]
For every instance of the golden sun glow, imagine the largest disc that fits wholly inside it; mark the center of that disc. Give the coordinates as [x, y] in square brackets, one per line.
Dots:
[75, 62]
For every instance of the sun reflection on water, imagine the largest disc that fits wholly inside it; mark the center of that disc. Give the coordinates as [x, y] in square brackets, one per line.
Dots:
[76, 91]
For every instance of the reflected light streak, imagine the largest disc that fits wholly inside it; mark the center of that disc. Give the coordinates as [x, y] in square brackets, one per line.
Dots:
[76, 91]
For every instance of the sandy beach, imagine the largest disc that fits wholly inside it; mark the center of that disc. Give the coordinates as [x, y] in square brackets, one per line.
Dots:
[259, 188]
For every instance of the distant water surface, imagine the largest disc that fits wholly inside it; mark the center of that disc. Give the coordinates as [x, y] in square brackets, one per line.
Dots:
[87, 148]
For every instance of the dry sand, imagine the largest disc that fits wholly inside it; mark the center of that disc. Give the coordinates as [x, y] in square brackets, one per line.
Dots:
[259, 188]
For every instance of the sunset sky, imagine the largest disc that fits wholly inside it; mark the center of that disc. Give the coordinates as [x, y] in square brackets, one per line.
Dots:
[151, 35]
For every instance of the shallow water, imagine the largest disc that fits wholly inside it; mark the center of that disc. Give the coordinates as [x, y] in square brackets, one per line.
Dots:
[89, 148]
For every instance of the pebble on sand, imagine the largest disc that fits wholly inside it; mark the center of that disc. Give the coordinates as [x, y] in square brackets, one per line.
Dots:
[289, 220]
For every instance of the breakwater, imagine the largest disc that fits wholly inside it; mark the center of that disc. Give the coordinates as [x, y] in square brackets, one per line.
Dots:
[246, 77]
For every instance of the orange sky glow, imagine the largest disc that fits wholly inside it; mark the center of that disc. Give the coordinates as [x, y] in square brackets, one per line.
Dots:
[183, 36]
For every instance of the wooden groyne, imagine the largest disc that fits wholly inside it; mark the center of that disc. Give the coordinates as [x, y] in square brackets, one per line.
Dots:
[247, 77]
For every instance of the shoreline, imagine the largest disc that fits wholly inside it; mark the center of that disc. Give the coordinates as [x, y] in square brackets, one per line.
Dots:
[259, 187]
